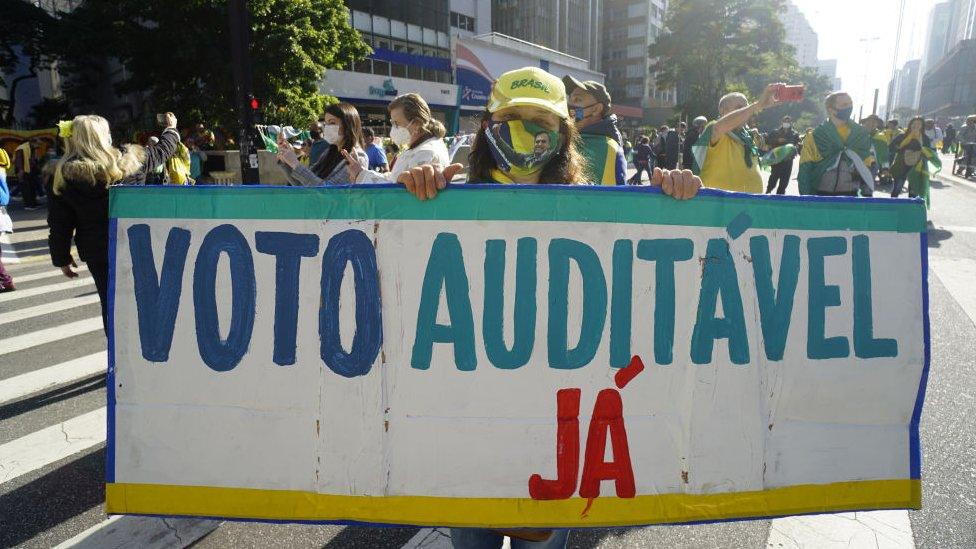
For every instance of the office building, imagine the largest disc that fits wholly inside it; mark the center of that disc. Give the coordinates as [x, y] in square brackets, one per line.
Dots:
[947, 85]
[800, 35]
[568, 26]
[629, 29]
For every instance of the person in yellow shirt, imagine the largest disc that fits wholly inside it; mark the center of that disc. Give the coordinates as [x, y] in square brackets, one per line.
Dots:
[726, 156]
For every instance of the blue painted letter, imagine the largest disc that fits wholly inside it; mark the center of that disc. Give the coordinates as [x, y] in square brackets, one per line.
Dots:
[719, 278]
[445, 269]
[821, 296]
[223, 355]
[775, 304]
[288, 249]
[665, 252]
[355, 248]
[523, 326]
[561, 251]
[865, 345]
[157, 298]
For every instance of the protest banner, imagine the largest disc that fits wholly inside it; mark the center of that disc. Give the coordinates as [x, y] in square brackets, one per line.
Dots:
[542, 356]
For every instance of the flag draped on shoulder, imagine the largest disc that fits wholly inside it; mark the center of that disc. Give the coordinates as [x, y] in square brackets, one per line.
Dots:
[751, 152]
[824, 149]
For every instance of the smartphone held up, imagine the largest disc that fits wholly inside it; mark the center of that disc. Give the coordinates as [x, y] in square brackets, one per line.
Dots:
[790, 93]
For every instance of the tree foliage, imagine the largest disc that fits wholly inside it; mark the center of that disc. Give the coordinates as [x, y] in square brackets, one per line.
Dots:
[24, 27]
[177, 54]
[712, 47]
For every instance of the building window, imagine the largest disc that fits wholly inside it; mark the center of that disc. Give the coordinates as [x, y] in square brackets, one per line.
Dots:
[461, 21]
[635, 70]
[635, 51]
[636, 30]
[636, 10]
[634, 91]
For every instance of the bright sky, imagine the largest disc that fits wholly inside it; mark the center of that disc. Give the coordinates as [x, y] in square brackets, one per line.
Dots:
[860, 34]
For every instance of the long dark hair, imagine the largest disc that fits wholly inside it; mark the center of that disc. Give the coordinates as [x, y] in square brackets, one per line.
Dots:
[352, 137]
[565, 167]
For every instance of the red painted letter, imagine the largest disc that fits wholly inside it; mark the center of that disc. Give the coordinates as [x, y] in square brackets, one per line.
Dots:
[567, 450]
[607, 417]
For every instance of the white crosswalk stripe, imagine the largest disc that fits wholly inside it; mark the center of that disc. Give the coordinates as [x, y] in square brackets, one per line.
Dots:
[120, 532]
[48, 273]
[80, 282]
[7, 252]
[887, 529]
[17, 387]
[47, 308]
[54, 443]
[49, 335]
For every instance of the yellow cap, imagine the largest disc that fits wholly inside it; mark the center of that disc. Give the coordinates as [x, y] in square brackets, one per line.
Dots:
[529, 86]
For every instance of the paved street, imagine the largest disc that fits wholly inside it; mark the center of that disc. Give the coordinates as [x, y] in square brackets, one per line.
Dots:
[52, 405]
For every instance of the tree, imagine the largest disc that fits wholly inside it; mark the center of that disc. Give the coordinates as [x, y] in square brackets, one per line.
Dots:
[177, 53]
[713, 47]
[23, 28]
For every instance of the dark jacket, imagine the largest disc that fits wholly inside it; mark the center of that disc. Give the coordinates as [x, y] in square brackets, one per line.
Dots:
[643, 153]
[780, 137]
[687, 156]
[80, 208]
[672, 148]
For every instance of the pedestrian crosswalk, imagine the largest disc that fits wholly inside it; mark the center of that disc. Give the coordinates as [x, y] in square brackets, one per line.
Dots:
[70, 428]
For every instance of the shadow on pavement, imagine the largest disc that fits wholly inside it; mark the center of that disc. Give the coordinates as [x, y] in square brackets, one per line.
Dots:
[369, 538]
[936, 236]
[46, 502]
[50, 397]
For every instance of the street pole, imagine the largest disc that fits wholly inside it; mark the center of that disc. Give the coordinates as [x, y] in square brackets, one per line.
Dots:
[889, 100]
[240, 34]
[874, 108]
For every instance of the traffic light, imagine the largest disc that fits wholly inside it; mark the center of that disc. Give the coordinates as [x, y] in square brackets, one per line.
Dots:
[254, 103]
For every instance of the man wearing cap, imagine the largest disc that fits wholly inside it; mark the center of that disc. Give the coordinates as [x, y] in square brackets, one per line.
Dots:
[602, 146]
[779, 176]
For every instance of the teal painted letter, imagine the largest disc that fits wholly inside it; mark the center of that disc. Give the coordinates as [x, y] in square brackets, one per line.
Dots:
[445, 269]
[775, 304]
[820, 296]
[865, 345]
[719, 279]
[665, 252]
[621, 304]
[493, 316]
[561, 252]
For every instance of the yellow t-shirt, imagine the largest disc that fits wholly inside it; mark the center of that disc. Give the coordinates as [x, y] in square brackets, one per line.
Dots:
[725, 168]
[844, 132]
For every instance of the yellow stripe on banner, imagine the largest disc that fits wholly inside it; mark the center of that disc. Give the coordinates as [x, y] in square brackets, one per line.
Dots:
[246, 503]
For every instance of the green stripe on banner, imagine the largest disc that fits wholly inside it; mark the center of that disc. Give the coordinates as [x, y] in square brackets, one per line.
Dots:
[504, 203]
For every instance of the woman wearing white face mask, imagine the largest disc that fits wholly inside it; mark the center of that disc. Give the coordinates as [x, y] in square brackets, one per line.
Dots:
[413, 127]
[343, 130]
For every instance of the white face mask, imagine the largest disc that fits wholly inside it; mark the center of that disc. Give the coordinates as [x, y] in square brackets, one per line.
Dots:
[330, 132]
[787, 125]
[400, 136]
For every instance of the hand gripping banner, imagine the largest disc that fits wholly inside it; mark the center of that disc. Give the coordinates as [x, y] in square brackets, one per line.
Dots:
[507, 356]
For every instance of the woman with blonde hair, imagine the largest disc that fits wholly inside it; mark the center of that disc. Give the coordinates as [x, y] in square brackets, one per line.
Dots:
[78, 206]
[413, 127]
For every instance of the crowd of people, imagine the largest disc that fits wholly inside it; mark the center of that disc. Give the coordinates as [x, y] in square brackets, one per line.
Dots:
[535, 129]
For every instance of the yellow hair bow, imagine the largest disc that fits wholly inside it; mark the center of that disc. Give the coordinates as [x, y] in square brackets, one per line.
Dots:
[65, 127]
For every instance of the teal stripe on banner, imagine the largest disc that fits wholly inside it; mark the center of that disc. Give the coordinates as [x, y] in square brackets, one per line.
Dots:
[504, 203]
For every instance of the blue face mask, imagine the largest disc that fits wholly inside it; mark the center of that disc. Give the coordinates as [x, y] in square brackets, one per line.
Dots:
[845, 114]
[578, 113]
